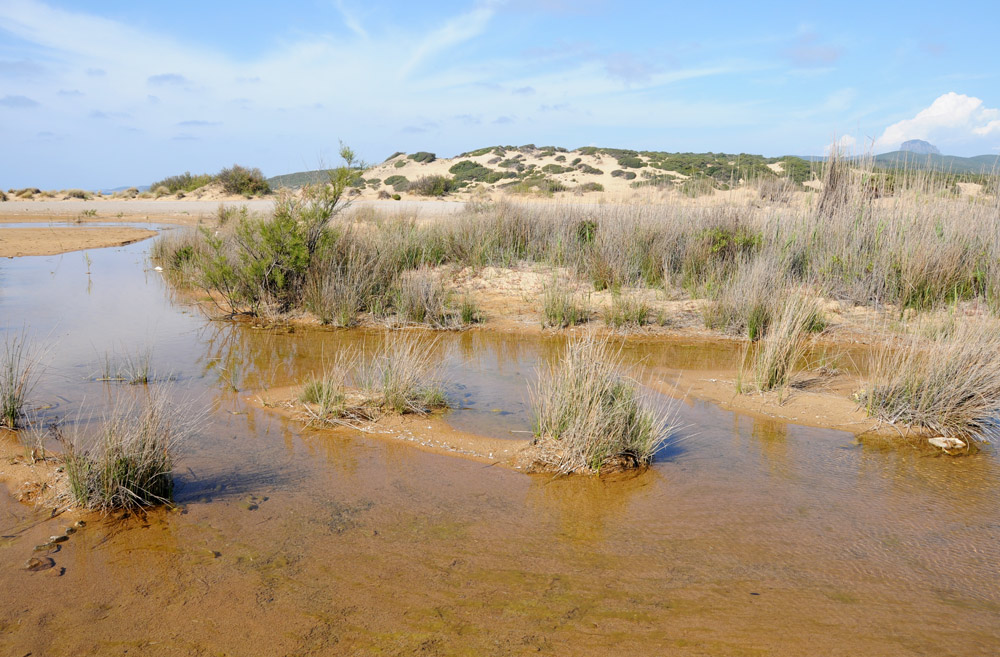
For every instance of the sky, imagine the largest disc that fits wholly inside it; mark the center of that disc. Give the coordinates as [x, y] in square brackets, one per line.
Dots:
[112, 93]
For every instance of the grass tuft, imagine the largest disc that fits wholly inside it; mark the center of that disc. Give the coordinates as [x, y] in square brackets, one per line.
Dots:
[949, 384]
[128, 464]
[560, 309]
[589, 416]
[19, 365]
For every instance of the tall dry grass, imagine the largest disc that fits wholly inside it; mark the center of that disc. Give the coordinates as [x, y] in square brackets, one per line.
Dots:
[948, 384]
[770, 364]
[128, 461]
[20, 363]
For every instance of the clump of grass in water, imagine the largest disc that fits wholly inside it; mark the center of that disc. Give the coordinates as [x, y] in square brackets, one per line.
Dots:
[402, 377]
[18, 376]
[560, 309]
[949, 384]
[770, 364]
[129, 463]
[589, 416]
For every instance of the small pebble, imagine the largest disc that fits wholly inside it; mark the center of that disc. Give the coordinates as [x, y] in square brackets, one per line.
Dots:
[58, 539]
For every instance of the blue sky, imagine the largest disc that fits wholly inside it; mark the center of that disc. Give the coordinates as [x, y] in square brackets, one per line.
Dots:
[101, 94]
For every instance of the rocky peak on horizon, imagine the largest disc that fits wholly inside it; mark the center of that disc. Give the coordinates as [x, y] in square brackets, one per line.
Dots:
[919, 146]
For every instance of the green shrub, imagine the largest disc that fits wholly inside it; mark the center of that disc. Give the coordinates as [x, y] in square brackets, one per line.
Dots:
[398, 183]
[243, 181]
[471, 171]
[394, 156]
[400, 164]
[396, 197]
[631, 162]
[556, 168]
[431, 186]
[422, 156]
[184, 182]
[591, 187]
[586, 168]
[77, 193]
[698, 186]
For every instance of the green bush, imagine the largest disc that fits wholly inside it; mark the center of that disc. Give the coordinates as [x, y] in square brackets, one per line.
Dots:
[631, 162]
[422, 156]
[400, 164]
[431, 186]
[586, 168]
[469, 170]
[556, 168]
[398, 183]
[591, 187]
[184, 182]
[243, 181]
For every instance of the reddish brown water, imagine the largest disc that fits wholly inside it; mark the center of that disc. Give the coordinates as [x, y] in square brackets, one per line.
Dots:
[746, 538]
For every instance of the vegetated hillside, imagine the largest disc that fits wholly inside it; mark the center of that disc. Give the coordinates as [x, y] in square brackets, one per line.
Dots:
[298, 179]
[548, 170]
[980, 164]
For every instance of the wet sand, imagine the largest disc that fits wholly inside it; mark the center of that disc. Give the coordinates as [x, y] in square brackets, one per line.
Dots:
[53, 240]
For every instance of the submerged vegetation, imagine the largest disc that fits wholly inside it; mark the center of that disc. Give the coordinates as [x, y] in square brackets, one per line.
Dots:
[589, 416]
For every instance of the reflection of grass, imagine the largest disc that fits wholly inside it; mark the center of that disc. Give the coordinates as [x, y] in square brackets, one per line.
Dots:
[19, 365]
[589, 416]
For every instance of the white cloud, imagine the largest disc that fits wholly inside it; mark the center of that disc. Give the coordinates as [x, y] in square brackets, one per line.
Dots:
[845, 145]
[951, 118]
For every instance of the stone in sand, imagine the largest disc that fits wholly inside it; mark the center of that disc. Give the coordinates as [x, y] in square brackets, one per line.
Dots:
[946, 443]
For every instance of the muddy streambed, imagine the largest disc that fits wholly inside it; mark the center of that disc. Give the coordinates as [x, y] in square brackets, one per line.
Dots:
[747, 537]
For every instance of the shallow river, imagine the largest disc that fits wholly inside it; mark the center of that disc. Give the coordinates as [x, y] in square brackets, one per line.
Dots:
[747, 537]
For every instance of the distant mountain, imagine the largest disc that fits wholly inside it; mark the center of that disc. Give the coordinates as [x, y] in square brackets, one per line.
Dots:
[989, 164]
[919, 146]
[937, 162]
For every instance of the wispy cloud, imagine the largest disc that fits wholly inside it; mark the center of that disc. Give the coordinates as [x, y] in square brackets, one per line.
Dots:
[350, 19]
[454, 32]
[167, 78]
[18, 102]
